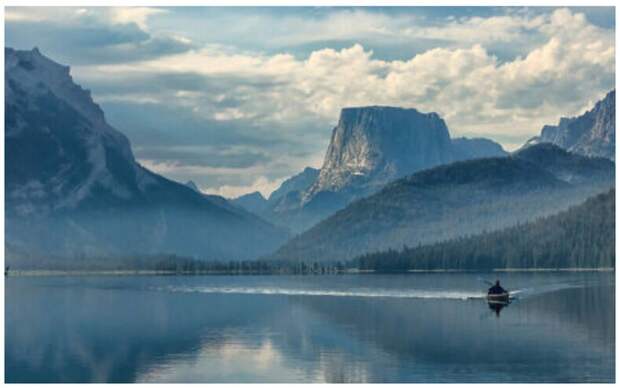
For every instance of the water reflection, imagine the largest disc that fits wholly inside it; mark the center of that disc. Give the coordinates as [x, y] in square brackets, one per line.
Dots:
[497, 307]
[131, 329]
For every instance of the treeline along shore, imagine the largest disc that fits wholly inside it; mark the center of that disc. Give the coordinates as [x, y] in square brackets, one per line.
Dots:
[582, 237]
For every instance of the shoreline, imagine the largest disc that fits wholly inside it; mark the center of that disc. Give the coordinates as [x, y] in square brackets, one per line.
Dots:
[601, 269]
[34, 273]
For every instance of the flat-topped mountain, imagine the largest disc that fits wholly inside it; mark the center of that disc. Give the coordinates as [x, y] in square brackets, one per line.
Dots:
[370, 147]
[374, 145]
[74, 188]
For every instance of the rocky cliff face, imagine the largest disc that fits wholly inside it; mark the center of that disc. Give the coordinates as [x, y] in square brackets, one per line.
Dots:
[591, 134]
[73, 187]
[58, 146]
[296, 183]
[372, 146]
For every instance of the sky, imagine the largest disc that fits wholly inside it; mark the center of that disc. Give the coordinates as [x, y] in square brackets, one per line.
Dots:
[238, 99]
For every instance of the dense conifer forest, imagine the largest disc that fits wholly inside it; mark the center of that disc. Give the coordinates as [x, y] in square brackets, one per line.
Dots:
[580, 237]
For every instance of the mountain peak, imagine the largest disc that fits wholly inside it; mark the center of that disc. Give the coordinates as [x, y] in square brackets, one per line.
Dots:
[376, 108]
[376, 144]
[381, 112]
[370, 147]
[192, 186]
[253, 195]
[73, 187]
[591, 134]
[253, 202]
[32, 70]
[299, 182]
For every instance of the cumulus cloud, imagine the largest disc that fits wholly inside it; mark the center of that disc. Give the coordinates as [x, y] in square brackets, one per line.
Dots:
[501, 76]
[225, 181]
[262, 184]
[137, 15]
[471, 88]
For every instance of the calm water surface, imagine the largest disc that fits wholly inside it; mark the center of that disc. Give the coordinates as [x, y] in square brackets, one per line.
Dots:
[337, 328]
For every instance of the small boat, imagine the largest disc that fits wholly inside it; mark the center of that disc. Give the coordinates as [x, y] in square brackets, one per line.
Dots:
[497, 294]
[503, 297]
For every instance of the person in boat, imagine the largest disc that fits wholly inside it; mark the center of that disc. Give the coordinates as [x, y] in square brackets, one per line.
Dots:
[497, 289]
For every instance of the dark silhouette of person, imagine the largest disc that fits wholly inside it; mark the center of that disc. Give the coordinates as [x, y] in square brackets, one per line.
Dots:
[496, 289]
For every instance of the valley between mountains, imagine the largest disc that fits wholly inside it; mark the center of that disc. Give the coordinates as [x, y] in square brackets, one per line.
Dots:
[395, 190]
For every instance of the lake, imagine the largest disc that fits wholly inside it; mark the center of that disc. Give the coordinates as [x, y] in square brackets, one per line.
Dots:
[422, 327]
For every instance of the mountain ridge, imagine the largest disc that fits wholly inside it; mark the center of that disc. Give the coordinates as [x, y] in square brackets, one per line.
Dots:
[370, 147]
[592, 133]
[450, 200]
[543, 243]
[74, 188]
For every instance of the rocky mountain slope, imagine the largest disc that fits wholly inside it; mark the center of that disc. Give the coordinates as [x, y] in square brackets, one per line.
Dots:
[300, 183]
[286, 197]
[591, 134]
[455, 200]
[370, 147]
[73, 188]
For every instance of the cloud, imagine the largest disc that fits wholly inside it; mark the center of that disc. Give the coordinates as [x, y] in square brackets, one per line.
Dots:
[237, 157]
[571, 68]
[78, 15]
[225, 181]
[24, 15]
[92, 35]
[391, 32]
[262, 184]
[137, 15]
[246, 94]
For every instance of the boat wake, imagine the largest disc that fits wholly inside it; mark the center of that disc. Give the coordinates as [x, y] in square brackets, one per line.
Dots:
[515, 294]
[529, 292]
[378, 293]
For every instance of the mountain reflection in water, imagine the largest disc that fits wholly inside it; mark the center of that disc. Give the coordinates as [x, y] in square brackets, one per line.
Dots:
[146, 329]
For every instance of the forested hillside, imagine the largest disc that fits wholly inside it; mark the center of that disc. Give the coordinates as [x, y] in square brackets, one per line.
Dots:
[455, 200]
[580, 237]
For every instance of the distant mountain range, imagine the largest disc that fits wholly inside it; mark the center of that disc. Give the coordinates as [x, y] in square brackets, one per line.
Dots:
[454, 200]
[370, 147]
[391, 177]
[253, 202]
[580, 237]
[74, 188]
[277, 207]
[591, 134]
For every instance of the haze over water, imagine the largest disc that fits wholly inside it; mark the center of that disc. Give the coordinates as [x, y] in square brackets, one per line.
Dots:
[341, 328]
